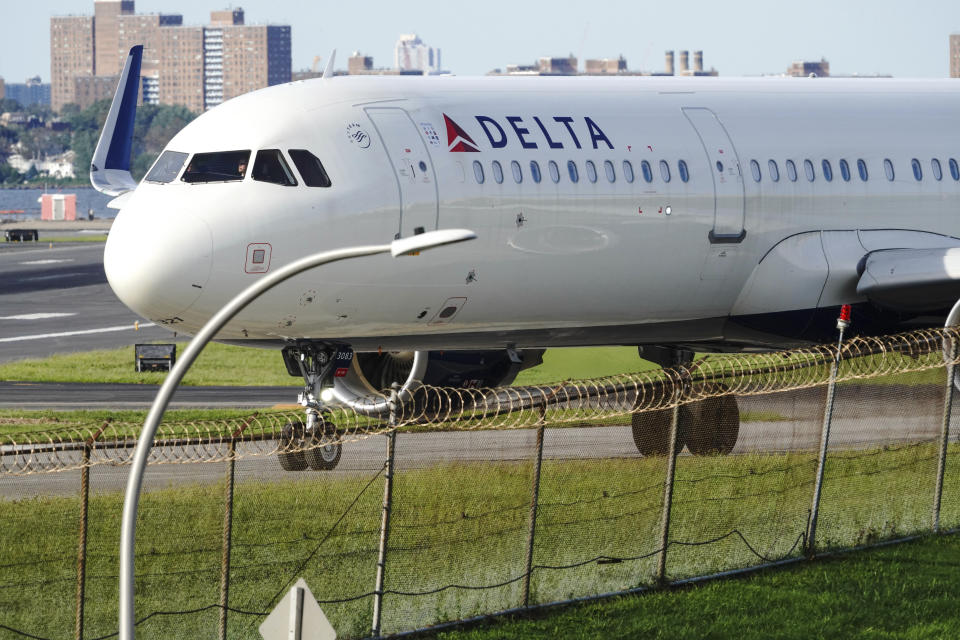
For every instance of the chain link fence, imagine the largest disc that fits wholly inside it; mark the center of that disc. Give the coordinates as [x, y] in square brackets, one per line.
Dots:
[473, 502]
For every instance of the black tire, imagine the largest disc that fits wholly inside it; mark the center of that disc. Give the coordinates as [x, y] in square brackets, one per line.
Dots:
[291, 455]
[651, 431]
[324, 455]
[716, 428]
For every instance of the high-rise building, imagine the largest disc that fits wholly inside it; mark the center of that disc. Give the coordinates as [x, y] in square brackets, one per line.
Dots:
[33, 91]
[411, 55]
[195, 66]
[955, 55]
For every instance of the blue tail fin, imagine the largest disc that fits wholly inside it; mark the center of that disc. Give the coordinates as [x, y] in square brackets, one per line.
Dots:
[110, 166]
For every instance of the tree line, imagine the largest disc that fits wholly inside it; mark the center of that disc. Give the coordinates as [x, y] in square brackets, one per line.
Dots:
[153, 128]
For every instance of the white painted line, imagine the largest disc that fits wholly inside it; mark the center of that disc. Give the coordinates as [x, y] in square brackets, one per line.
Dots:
[50, 261]
[37, 316]
[64, 334]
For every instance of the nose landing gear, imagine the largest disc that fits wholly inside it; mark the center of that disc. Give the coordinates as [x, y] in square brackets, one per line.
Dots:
[315, 443]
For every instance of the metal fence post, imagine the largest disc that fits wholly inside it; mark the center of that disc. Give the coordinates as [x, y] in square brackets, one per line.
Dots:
[82, 543]
[842, 323]
[668, 484]
[228, 527]
[944, 432]
[534, 503]
[385, 517]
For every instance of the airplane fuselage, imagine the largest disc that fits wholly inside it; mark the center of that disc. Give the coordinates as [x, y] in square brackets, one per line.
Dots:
[607, 210]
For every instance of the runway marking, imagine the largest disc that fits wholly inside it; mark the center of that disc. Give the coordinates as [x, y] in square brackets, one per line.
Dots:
[58, 276]
[64, 334]
[50, 261]
[37, 316]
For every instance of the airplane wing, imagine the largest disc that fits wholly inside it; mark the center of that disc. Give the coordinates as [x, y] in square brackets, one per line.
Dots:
[911, 279]
[110, 166]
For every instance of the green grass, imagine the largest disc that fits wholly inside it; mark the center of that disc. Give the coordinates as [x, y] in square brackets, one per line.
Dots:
[904, 592]
[467, 524]
[219, 364]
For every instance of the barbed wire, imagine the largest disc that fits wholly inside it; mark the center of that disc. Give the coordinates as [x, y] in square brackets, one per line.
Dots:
[583, 402]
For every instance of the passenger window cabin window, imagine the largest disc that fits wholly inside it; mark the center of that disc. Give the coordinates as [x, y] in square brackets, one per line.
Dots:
[223, 166]
[791, 171]
[755, 170]
[684, 172]
[773, 170]
[862, 170]
[270, 166]
[478, 171]
[572, 170]
[844, 170]
[497, 172]
[917, 169]
[310, 168]
[554, 171]
[808, 170]
[827, 170]
[937, 169]
[954, 169]
[517, 173]
[167, 167]
[627, 171]
[646, 171]
[591, 171]
[888, 169]
[535, 171]
[608, 169]
[665, 171]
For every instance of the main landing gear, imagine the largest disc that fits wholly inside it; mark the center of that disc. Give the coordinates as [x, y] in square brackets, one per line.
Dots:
[313, 443]
[706, 427]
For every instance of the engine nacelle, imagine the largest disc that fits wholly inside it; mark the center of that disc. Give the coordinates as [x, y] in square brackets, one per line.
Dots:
[371, 374]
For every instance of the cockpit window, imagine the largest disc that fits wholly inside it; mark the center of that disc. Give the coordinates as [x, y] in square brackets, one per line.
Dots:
[271, 167]
[310, 168]
[167, 166]
[222, 166]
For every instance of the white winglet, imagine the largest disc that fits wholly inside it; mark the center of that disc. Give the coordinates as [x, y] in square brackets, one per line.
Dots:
[328, 70]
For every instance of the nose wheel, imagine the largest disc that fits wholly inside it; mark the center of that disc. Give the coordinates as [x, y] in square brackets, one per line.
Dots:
[314, 443]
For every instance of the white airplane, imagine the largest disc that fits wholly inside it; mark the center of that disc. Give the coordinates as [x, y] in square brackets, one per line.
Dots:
[674, 214]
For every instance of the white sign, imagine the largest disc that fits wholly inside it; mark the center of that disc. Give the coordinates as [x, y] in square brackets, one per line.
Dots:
[297, 617]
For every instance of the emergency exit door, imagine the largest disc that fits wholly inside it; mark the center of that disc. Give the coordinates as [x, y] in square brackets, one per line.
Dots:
[412, 168]
[728, 195]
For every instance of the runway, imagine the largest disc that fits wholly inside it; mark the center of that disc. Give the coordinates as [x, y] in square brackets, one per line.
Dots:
[65, 395]
[55, 300]
[418, 450]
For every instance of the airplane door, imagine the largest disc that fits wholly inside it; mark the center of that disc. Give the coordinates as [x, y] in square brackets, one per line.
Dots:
[728, 199]
[412, 168]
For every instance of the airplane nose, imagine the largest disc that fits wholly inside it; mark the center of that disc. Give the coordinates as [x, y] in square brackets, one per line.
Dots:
[158, 263]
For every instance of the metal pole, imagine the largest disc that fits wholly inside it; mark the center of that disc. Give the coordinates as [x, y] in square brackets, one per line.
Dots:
[668, 486]
[534, 502]
[128, 523]
[944, 432]
[82, 545]
[842, 324]
[227, 543]
[84, 519]
[385, 515]
[227, 538]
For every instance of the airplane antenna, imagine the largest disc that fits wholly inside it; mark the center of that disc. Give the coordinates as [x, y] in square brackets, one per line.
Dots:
[328, 70]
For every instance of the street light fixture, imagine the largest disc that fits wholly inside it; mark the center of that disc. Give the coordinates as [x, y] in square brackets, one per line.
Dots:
[404, 246]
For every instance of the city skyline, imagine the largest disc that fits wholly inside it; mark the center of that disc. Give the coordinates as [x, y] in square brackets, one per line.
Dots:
[755, 38]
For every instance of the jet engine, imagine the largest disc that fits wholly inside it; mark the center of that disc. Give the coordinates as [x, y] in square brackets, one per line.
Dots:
[362, 381]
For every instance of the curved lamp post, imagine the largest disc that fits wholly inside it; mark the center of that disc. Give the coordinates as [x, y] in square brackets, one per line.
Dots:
[404, 246]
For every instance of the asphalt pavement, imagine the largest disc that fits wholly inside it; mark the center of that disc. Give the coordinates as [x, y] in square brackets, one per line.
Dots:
[55, 299]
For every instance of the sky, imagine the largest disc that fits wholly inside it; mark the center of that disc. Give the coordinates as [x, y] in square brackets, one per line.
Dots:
[902, 38]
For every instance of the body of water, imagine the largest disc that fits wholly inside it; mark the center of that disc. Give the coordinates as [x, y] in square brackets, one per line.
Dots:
[27, 201]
